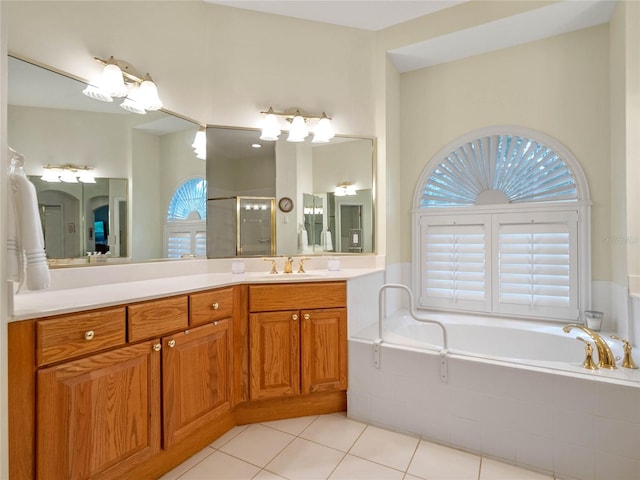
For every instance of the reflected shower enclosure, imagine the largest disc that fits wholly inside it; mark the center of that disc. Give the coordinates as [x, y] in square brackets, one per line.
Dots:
[240, 226]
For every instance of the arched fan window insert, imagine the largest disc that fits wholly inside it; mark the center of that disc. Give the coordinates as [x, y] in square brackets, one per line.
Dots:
[186, 228]
[498, 229]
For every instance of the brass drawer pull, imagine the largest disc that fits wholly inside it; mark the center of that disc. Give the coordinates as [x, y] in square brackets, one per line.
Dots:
[307, 316]
[294, 317]
[215, 306]
[157, 347]
[88, 335]
[171, 343]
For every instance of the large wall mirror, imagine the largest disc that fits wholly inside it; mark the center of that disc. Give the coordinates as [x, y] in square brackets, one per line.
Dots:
[155, 199]
[142, 163]
[284, 198]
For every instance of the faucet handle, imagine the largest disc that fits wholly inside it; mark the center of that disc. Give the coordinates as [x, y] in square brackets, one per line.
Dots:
[588, 363]
[627, 362]
[301, 264]
[274, 270]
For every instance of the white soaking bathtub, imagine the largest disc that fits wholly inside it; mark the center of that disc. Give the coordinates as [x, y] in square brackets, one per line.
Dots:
[513, 390]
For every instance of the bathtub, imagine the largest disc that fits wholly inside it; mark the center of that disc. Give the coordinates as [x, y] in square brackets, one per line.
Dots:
[513, 390]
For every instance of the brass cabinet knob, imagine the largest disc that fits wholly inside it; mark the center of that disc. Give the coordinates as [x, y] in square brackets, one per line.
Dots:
[157, 347]
[171, 343]
[294, 317]
[215, 306]
[88, 335]
[307, 316]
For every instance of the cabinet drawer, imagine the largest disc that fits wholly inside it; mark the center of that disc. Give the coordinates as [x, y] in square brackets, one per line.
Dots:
[78, 334]
[207, 307]
[157, 317]
[293, 296]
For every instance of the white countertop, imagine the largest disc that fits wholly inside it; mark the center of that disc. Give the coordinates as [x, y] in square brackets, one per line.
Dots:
[40, 304]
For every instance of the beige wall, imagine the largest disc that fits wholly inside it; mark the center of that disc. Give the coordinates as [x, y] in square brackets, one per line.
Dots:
[559, 86]
[214, 64]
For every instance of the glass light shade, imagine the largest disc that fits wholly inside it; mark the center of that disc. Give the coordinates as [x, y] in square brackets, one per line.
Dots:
[200, 140]
[50, 175]
[270, 128]
[298, 131]
[201, 153]
[324, 131]
[340, 191]
[84, 176]
[97, 94]
[112, 81]
[68, 176]
[350, 190]
[149, 95]
[132, 103]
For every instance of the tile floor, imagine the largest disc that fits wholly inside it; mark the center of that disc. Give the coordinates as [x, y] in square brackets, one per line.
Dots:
[337, 448]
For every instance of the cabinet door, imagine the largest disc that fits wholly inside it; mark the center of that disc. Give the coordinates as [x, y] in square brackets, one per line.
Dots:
[196, 373]
[324, 350]
[274, 339]
[100, 415]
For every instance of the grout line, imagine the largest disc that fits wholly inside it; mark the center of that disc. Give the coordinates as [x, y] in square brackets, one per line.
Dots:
[480, 467]
[415, 450]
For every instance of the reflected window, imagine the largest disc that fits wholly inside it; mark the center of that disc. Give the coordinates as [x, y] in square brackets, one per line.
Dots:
[186, 227]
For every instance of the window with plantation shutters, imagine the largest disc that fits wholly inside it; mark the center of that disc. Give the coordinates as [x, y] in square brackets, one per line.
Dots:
[186, 229]
[454, 257]
[501, 225]
[536, 272]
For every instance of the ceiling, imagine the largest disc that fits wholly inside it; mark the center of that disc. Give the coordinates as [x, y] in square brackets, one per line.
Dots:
[363, 14]
[553, 19]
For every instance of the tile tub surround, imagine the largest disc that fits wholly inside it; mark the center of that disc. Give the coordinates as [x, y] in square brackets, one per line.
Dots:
[337, 448]
[548, 421]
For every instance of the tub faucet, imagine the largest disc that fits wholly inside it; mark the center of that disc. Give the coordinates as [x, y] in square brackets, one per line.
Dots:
[605, 355]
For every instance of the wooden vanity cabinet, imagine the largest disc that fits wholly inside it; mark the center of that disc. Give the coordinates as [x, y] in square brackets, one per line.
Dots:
[297, 346]
[196, 375]
[98, 416]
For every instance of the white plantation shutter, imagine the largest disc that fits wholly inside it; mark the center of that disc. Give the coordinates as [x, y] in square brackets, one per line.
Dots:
[186, 238]
[454, 259]
[536, 271]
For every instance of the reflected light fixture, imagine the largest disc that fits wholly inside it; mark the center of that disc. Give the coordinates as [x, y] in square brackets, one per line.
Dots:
[118, 79]
[300, 125]
[345, 189]
[67, 173]
[200, 143]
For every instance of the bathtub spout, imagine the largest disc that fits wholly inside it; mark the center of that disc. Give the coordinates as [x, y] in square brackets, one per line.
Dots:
[605, 355]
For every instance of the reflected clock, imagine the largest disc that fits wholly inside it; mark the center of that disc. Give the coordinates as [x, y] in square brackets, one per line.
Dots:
[285, 204]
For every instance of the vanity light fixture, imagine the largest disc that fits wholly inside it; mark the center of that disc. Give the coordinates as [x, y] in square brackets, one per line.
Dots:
[67, 173]
[345, 189]
[298, 131]
[118, 79]
[200, 144]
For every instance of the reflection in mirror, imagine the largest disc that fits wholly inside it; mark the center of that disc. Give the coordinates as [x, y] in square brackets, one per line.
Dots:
[139, 161]
[240, 164]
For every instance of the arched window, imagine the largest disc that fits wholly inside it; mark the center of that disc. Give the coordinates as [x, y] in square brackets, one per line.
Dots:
[501, 226]
[186, 227]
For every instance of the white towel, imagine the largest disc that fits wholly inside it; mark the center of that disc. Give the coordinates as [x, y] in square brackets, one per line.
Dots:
[328, 244]
[14, 252]
[29, 230]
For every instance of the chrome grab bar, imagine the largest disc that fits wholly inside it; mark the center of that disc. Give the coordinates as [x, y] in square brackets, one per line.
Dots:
[412, 312]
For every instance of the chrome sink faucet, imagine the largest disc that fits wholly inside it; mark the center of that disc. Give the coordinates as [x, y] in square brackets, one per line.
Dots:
[605, 355]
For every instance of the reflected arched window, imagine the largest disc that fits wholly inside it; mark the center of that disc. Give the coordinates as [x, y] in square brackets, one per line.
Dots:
[186, 227]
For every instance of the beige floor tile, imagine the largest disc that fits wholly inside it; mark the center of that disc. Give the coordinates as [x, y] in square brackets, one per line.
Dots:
[220, 466]
[294, 426]
[335, 431]
[187, 464]
[387, 448]
[494, 470]
[437, 462]
[305, 460]
[354, 468]
[266, 475]
[257, 444]
[228, 436]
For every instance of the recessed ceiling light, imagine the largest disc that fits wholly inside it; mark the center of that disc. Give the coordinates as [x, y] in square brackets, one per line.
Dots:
[256, 145]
